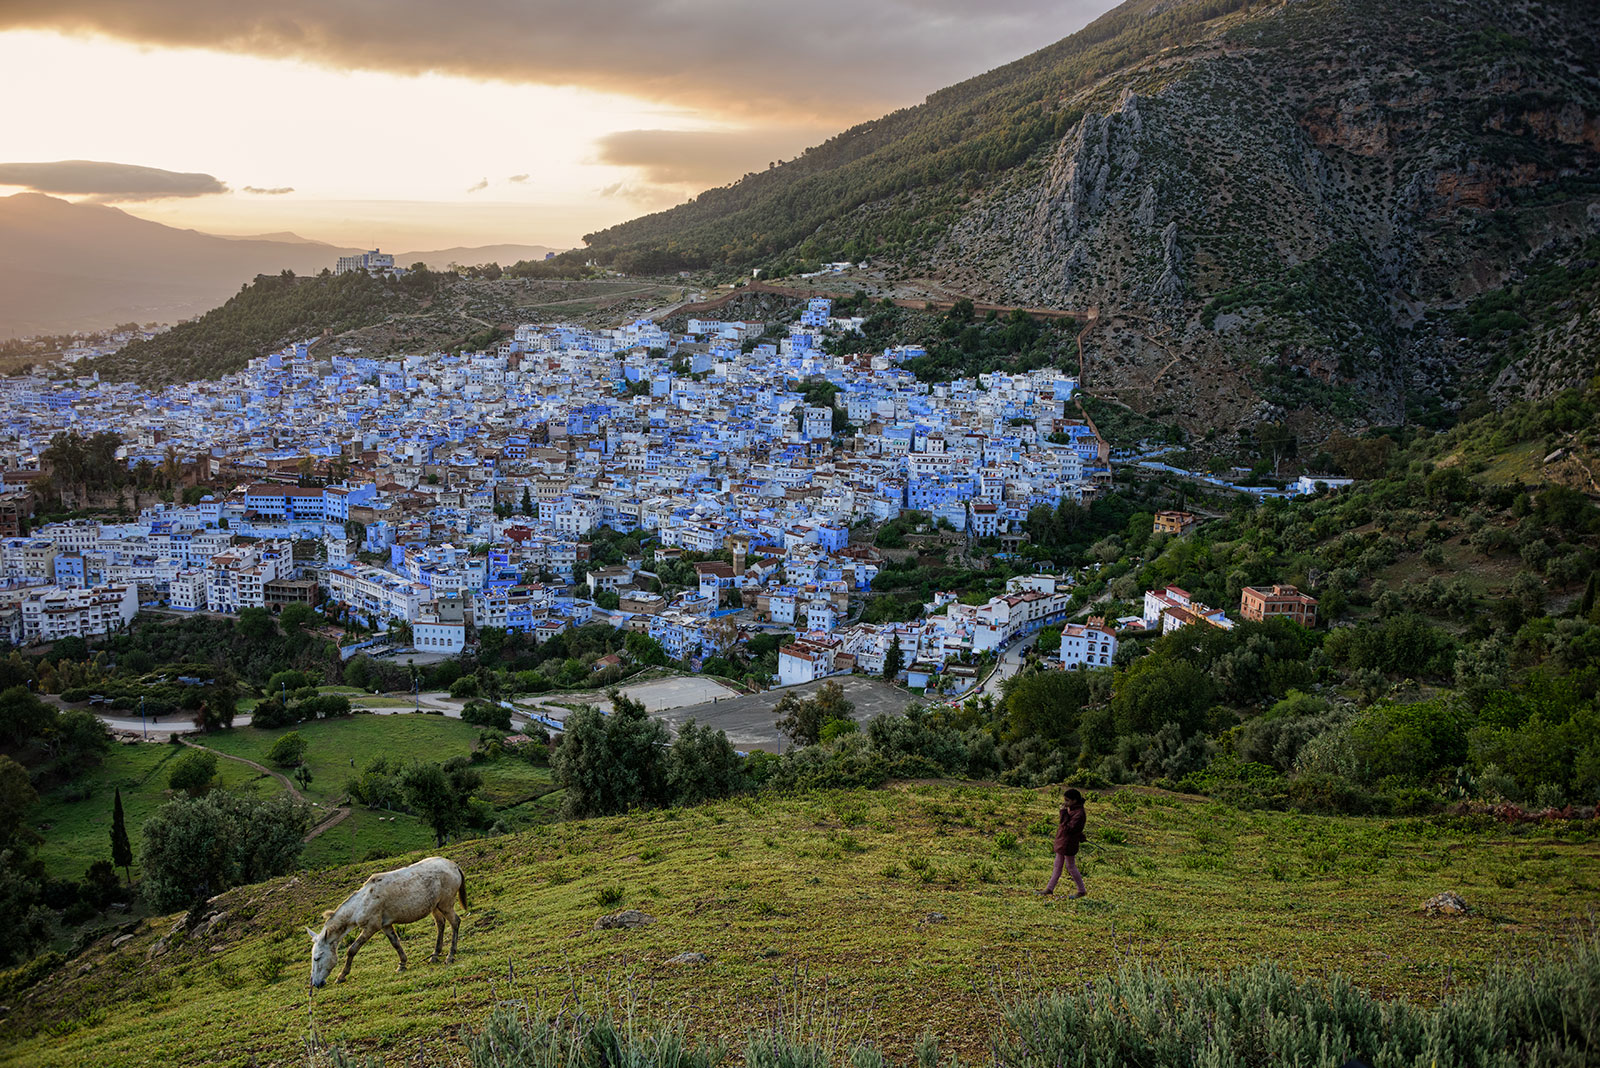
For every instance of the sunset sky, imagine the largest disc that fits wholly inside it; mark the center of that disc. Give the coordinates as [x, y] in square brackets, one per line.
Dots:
[416, 124]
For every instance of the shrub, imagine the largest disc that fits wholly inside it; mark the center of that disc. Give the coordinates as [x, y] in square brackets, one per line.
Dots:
[193, 772]
[486, 714]
[702, 765]
[1262, 1015]
[200, 847]
[288, 751]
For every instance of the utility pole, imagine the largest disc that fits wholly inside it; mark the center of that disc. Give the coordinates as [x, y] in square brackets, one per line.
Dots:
[143, 726]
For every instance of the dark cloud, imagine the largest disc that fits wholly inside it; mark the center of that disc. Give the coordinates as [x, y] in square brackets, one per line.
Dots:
[108, 181]
[830, 61]
[274, 191]
[700, 158]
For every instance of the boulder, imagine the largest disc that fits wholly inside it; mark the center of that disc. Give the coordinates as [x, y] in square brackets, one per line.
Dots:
[1446, 904]
[120, 939]
[627, 918]
[690, 958]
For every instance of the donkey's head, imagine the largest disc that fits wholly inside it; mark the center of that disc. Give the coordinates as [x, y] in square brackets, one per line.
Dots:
[324, 955]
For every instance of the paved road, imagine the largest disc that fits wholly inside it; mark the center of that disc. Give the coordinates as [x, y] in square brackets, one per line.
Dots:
[749, 722]
[1010, 663]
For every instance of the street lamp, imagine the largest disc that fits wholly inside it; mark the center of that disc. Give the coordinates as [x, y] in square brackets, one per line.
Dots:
[143, 726]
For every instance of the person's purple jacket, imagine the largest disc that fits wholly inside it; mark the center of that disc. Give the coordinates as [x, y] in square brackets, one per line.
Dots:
[1069, 832]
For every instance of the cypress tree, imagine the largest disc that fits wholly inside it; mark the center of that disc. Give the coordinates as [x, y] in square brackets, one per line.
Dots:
[893, 660]
[1586, 607]
[121, 851]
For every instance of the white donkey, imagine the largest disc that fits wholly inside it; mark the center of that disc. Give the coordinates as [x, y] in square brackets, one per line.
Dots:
[404, 895]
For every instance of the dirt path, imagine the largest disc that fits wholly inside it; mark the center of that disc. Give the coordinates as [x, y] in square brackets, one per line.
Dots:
[334, 817]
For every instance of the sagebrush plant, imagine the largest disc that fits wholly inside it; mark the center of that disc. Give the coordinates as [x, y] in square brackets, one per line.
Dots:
[1542, 1013]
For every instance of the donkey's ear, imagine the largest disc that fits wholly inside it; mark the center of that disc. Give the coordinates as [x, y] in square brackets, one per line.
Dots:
[312, 932]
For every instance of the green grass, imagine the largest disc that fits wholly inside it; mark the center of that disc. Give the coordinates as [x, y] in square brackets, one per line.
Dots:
[835, 888]
[77, 829]
[338, 748]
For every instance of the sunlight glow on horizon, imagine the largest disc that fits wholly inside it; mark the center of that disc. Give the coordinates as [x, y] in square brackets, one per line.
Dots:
[392, 166]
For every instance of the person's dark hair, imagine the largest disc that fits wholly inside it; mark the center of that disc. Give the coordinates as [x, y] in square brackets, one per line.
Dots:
[1071, 794]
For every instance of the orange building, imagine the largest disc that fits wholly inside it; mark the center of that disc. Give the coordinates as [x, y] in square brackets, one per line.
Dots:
[1174, 522]
[1261, 603]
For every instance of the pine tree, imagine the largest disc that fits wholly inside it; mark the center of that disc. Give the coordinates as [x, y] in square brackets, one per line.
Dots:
[893, 660]
[1586, 606]
[121, 851]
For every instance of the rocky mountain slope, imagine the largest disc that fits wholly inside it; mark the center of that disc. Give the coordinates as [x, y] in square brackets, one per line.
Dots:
[1280, 210]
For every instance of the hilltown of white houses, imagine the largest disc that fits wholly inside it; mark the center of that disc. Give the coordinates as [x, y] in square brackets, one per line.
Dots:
[463, 491]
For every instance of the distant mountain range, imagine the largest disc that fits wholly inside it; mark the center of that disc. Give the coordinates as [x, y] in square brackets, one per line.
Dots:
[67, 266]
[1317, 210]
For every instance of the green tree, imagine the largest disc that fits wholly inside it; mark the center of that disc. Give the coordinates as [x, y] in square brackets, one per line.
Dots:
[893, 660]
[486, 714]
[702, 765]
[79, 739]
[440, 793]
[193, 772]
[256, 624]
[23, 717]
[121, 848]
[289, 751]
[610, 764]
[197, 847]
[29, 922]
[1045, 704]
[17, 796]
[296, 617]
[801, 719]
[1155, 691]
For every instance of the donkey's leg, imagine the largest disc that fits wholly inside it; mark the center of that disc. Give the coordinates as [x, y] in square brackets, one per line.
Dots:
[438, 941]
[350, 957]
[455, 934]
[394, 940]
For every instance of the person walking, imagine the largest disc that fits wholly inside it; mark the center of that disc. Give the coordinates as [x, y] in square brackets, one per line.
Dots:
[1069, 836]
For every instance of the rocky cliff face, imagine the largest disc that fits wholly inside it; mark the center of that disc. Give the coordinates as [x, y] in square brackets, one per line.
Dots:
[1281, 219]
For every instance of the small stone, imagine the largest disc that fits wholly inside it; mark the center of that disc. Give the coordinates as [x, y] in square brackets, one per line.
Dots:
[157, 948]
[120, 939]
[932, 918]
[690, 958]
[626, 918]
[86, 969]
[216, 949]
[1447, 903]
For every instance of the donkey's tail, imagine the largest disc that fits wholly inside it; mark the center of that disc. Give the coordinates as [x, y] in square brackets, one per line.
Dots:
[462, 890]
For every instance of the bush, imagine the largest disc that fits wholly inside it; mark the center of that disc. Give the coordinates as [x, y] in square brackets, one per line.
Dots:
[196, 848]
[288, 751]
[465, 686]
[486, 714]
[1261, 1015]
[612, 763]
[702, 765]
[193, 772]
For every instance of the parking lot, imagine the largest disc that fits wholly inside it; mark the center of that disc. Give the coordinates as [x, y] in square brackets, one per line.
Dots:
[749, 722]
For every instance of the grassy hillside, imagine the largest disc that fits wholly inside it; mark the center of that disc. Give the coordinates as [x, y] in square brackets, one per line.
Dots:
[912, 907]
[75, 819]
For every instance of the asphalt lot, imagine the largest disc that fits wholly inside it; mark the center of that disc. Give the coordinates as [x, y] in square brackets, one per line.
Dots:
[748, 719]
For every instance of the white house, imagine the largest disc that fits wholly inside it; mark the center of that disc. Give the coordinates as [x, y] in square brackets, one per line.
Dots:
[1088, 645]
